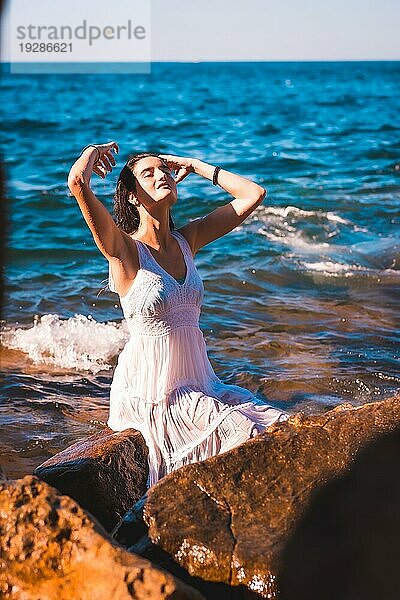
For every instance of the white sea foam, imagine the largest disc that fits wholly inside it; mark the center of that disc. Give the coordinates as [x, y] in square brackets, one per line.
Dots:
[285, 211]
[80, 343]
[330, 268]
[295, 239]
[283, 224]
[334, 269]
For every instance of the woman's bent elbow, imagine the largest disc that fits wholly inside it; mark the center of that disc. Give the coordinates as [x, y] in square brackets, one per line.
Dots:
[262, 194]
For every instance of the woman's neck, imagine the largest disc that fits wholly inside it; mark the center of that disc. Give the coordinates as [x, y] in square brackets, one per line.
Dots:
[154, 233]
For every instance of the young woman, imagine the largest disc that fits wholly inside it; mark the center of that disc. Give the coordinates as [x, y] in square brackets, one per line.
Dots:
[164, 385]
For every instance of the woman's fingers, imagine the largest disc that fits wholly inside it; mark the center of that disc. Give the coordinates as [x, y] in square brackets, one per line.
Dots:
[182, 165]
[99, 171]
[110, 157]
[173, 161]
[115, 146]
[107, 148]
[182, 173]
[105, 162]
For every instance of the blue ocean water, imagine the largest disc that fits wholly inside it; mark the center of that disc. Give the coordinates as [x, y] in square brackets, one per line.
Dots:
[301, 301]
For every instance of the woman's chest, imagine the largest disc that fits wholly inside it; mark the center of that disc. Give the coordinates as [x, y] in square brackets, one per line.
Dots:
[155, 293]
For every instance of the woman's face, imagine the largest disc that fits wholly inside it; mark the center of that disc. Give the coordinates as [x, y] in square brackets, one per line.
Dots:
[154, 181]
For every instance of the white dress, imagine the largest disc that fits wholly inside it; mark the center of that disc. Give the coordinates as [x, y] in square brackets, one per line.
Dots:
[164, 385]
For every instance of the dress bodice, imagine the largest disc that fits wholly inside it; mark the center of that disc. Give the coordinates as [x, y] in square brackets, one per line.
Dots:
[157, 303]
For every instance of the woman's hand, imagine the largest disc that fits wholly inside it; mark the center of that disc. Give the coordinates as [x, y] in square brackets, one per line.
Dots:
[179, 165]
[106, 160]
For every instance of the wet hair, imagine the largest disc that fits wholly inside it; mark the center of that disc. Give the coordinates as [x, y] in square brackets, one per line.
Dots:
[126, 215]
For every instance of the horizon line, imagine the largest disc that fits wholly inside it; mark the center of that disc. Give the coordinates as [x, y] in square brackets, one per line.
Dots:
[211, 60]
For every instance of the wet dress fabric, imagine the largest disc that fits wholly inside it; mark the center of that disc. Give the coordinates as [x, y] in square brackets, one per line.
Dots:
[164, 384]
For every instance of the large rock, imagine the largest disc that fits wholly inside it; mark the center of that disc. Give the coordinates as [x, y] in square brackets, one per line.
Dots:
[226, 519]
[51, 549]
[346, 545]
[105, 473]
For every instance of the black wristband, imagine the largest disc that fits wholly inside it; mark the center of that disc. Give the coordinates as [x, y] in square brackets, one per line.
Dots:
[91, 146]
[215, 176]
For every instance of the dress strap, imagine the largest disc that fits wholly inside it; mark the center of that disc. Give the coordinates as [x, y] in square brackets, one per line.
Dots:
[145, 256]
[185, 244]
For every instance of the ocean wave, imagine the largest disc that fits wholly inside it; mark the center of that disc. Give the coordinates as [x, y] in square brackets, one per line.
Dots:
[341, 245]
[267, 128]
[328, 267]
[295, 240]
[25, 124]
[307, 231]
[284, 211]
[344, 100]
[334, 269]
[79, 343]
[381, 153]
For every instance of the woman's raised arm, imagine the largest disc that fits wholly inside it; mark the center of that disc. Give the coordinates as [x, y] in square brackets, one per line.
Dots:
[100, 160]
[247, 196]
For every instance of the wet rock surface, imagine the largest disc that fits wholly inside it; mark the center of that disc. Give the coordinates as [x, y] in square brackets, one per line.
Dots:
[226, 520]
[105, 473]
[51, 549]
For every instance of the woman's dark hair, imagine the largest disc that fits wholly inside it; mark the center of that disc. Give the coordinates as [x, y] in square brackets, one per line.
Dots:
[126, 215]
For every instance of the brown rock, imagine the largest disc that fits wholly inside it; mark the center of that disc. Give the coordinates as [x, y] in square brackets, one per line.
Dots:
[226, 519]
[3, 475]
[346, 544]
[106, 473]
[51, 549]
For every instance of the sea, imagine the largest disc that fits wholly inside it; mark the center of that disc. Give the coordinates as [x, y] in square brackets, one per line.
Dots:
[301, 301]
